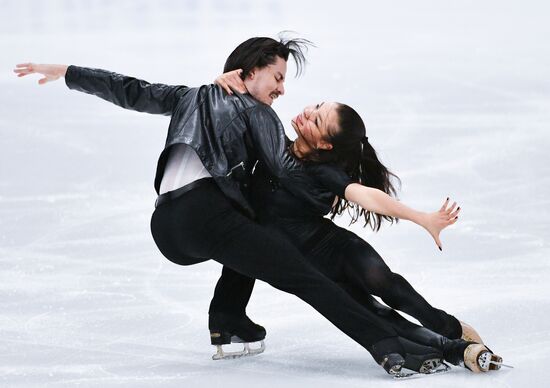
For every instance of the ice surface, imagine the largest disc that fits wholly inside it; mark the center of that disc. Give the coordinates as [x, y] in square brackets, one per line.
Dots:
[456, 97]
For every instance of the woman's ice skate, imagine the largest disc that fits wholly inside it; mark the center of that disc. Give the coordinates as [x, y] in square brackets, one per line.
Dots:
[478, 358]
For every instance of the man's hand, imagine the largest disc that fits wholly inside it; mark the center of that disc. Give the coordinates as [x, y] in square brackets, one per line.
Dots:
[232, 81]
[435, 222]
[50, 72]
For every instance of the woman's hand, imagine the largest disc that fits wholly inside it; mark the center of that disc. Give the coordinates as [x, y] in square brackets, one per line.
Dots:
[377, 201]
[50, 72]
[232, 81]
[435, 222]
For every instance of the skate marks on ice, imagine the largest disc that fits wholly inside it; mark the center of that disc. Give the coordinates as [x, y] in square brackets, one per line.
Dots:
[120, 316]
[88, 299]
[75, 307]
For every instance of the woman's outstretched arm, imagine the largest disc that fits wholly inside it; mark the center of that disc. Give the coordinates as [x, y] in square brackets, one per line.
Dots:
[379, 202]
[124, 91]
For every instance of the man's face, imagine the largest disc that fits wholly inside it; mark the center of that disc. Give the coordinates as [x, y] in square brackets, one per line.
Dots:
[267, 83]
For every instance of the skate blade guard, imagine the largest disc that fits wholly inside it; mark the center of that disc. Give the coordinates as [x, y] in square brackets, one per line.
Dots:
[247, 350]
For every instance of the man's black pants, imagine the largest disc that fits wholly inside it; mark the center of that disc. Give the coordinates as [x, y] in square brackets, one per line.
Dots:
[201, 224]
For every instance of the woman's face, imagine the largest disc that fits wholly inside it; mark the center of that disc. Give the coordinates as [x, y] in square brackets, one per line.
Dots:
[313, 125]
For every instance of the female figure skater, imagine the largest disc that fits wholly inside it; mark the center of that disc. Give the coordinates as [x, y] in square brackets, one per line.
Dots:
[344, 172]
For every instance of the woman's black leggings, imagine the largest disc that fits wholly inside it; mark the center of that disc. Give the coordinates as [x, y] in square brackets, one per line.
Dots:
[201, 224]
[344, 257]
[364, 268]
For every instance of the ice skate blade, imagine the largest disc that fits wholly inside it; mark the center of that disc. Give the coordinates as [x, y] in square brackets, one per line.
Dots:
[425, 370]
[500, 364]
[247, 351]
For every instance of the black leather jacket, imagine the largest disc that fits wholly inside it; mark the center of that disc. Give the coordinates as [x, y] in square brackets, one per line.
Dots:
[228, 132]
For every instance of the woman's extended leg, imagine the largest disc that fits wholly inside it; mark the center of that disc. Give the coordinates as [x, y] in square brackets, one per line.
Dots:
[402, 326]
[347, 259]
[452, 349]
[365, 268]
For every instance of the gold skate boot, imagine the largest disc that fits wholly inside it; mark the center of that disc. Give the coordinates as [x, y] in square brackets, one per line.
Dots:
[470, 334]
[478, 358]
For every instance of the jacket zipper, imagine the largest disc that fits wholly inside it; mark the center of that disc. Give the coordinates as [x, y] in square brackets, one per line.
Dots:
[241, 164]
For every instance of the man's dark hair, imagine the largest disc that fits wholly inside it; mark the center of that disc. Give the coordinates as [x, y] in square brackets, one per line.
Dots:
[261, 52]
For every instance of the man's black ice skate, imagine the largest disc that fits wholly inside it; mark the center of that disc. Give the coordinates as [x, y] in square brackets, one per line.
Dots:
[392, 363]
[226, 329]
[425, 364]
[393, 355]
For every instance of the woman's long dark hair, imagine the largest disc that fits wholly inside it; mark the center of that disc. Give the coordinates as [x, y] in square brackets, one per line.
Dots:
[353, 152]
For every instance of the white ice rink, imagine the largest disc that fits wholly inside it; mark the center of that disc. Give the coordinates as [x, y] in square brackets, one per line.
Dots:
[456, 97]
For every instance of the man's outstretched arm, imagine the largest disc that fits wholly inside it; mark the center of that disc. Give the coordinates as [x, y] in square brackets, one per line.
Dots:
[124, 91]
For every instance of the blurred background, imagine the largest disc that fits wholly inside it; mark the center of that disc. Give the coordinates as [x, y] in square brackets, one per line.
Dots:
[456, 98]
